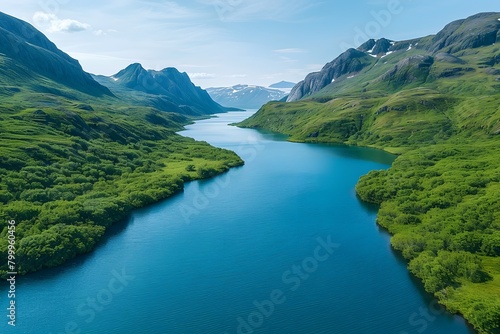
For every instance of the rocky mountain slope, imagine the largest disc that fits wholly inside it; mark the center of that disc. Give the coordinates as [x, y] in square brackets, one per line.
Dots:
[32, 51]
[167, 90]
[473, 32]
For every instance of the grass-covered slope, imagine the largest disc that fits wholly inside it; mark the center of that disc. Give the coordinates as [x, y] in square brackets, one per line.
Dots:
[438, 107]
[72, 164]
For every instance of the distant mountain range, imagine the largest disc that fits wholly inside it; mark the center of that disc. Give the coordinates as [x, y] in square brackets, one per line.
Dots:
[246, 96]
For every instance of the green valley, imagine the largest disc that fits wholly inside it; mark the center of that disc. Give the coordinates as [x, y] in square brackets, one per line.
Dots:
[75, 158]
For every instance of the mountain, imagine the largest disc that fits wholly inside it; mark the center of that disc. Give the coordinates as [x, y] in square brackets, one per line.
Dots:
[245, 96]
[167, 90]
[282, 85]
[352, 61]
[434, 101]
[476, 31]
[32, 51]
[75, 158]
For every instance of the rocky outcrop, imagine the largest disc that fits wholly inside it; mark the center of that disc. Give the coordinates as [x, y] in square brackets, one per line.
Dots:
[409, 70]
[377, 47]
[350, 62]
[448, 58]
[479, 30]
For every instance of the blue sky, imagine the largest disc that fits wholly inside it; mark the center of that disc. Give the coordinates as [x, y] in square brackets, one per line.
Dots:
[226, 42]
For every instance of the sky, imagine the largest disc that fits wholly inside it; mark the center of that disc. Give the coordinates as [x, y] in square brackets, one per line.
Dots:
[222, 43]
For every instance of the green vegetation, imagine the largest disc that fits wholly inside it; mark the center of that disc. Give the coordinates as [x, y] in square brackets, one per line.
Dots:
[441, 198]
[72, 164]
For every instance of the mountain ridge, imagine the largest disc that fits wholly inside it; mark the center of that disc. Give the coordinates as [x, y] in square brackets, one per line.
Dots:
[20, 41]
[479, 30]
[167, 90]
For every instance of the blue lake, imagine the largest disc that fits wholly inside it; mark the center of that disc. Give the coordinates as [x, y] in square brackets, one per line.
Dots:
[280, 245]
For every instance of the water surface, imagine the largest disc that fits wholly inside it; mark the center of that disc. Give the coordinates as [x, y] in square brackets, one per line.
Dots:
[280, 245]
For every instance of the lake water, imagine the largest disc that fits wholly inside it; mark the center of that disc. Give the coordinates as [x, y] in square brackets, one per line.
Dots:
[281, 245]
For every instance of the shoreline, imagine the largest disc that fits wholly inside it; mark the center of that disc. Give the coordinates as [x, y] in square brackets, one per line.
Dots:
[397, 152]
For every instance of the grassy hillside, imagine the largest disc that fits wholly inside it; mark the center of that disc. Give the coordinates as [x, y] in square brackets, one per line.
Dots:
[72, 164]
[441, 198]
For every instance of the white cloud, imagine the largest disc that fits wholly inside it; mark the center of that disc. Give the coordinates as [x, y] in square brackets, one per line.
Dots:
[54, 24]
[201, 76]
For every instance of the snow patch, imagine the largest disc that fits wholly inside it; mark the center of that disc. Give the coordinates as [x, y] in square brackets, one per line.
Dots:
[350, 77]
[388, 53]
[498, 19]
[374, 56]
[371, 51]
[114, 79]
[409, 48]
[333, 80]
[392, 43]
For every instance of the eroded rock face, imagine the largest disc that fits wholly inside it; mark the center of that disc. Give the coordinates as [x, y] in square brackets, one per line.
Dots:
[409, 70]
[476, 31]
[448, 58]
[168, 89]
[351, 61]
